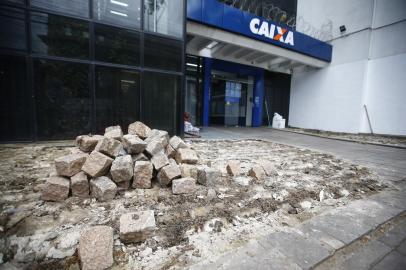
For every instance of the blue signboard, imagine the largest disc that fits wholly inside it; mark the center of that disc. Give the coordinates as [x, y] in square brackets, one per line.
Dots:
[217, 14]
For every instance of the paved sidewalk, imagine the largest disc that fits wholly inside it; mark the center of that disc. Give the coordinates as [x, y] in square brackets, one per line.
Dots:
[313, 243]
[343, 238]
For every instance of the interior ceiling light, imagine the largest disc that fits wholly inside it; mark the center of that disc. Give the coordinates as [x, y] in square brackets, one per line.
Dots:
[118, 13]
[119, 3]
[212, 44]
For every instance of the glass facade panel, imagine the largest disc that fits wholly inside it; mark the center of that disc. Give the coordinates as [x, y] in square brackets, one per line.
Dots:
[59, 36]
[15, 100]
[21, 2]
[162, 53]
[160, 101]
[62, 99]
[88, 70]
[120, 12]
[12, 28]
[73, 7]
[117, 97]
[117, 45]
[164, 17]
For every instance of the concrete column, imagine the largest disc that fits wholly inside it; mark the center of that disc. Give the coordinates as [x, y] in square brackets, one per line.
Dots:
[207, 90]
[259, 89]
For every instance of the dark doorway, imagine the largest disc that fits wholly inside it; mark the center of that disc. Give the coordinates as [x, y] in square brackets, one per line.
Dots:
[228, 101]
[276, 96]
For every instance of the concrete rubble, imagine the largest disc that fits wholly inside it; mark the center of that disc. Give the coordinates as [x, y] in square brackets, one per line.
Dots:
[70, 165]
[56, 189]
[257, 172]
[208, 176]
[233, 167]
[137, 226]
[103, 189]
[95, 249]
[183, 185]
[114, 132]
[97, 164]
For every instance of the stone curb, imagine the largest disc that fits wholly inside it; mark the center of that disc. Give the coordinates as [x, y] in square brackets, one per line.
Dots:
[341, 139]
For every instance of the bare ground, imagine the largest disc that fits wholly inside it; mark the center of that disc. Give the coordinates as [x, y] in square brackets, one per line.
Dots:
[44, 235]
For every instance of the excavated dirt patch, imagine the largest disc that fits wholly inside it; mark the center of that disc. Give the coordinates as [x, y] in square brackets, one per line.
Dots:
[44, 235]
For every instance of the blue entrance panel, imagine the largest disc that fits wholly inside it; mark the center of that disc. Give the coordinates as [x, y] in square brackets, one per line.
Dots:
[257, 73]
[222, 16]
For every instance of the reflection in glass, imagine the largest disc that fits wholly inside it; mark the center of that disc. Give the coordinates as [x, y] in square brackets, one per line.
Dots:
[160, 100]
[162, 53]
[59, 36]
[15, 100]
[164, 17]
[117, 45]
[12, 28]
[62, 99]
[120, 12]
[73, 7]
[117, 97]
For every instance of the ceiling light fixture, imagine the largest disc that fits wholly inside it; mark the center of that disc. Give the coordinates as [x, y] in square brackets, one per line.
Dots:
[118, 13]
[118, 3]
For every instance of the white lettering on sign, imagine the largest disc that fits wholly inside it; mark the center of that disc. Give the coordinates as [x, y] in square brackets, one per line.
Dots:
[272, 31]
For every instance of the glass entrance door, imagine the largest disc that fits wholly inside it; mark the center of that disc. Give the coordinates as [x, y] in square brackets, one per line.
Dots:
[228, 100]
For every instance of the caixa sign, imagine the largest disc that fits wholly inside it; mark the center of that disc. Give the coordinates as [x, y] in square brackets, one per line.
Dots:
[272, 31]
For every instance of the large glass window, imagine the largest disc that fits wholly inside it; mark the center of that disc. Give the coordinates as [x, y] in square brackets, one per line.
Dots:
[120, 12]
[73, 7]
[62, 99]
[164, 17]
[162, 53]
[15, 113]
[12, 28]
[59, 36]
[117, 45]
[160, 100]
[117, 97]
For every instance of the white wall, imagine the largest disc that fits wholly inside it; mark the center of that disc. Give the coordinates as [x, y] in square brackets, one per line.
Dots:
[356, 15]
[368, 67]
[328, 99]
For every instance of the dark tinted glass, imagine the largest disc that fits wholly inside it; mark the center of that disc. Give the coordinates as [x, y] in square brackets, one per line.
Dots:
[21, 2]
[121, 12]
[162, 53]
[160, 105]
[59, 36]
[15, 100]
[62, 99]
[12, 28]
[117, 97]
[73, 7]
[117, 45]
[164, 17]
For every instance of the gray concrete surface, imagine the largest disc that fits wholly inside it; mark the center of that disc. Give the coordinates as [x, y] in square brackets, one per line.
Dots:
[343, 238]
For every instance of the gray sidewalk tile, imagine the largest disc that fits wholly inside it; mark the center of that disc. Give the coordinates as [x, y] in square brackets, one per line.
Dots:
[402, 247]
[251, 256]
[369, 211]
[393, 261]
[395, 235]
[306, 252]
[344, 228]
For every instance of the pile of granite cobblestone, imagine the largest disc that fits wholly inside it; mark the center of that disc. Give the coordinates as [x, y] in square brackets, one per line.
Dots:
[104, 165]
